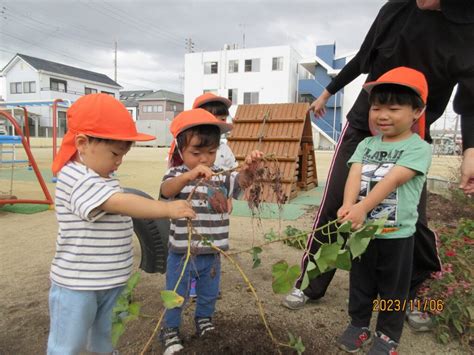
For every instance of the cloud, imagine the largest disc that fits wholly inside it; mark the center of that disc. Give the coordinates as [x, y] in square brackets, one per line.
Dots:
[151, 34]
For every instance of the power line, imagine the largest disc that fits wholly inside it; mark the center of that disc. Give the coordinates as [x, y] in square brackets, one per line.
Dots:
[19, 15]
[143, 19]
[111, 14]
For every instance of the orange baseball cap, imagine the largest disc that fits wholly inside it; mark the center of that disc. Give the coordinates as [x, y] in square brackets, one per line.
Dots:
[96, 115]
[210, 97]
[192, 118]
[410, 78]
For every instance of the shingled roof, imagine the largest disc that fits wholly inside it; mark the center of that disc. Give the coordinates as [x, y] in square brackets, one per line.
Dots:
[163, 95]
[63, 69]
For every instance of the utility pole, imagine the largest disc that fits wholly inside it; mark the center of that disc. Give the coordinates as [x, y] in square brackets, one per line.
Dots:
[115, 61]
[189, 45]
[242, 26]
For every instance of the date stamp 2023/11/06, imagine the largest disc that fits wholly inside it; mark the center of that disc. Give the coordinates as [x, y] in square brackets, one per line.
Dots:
[421, 305]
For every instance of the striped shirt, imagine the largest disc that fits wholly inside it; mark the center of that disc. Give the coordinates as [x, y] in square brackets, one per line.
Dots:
[93, 248]
[208, 223]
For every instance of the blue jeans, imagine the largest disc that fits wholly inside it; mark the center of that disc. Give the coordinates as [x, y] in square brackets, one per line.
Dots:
[80, 320]
[207, 271]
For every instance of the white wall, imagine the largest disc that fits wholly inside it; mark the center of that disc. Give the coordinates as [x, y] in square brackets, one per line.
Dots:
[273, 86]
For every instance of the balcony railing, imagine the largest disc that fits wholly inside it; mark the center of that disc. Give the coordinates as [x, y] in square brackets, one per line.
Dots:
[62, 90]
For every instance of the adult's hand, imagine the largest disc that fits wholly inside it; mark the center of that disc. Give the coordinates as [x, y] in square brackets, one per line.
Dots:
[319, 105]
[429, 4]
[467, 172]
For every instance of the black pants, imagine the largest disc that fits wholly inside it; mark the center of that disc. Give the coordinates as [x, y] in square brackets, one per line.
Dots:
[383, 270]
[425, 259]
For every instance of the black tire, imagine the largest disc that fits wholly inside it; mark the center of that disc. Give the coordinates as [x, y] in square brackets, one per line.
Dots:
[153, 236]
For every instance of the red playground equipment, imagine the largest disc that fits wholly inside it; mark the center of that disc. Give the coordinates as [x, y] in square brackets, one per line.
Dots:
[10, 199]
[25, 141]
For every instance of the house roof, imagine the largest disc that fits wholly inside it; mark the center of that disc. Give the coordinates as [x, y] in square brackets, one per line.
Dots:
[163, 95]
[63, 69]
[129, 98]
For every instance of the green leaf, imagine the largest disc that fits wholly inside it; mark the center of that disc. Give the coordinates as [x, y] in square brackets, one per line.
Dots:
[171, 299]
[296, 343]
[117, 331]
[326, 256]
[270, 236]
[444, 338]
[343, 260]
[284, 277]
[256, 257]
[345, 227]
[134, 309]
[458, 326]
[305, 281]
[291, 231]
[133, 280]
[470, 310]
[121, 305]
[358, 243]
[340, 239]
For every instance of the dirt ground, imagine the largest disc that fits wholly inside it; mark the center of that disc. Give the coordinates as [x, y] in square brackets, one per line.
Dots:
[27, 248]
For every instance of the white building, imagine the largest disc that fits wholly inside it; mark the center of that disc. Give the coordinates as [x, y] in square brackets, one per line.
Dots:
[29, 79]
[246, 76]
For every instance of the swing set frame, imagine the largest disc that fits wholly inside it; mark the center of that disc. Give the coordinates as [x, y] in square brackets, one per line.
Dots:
[25, 140]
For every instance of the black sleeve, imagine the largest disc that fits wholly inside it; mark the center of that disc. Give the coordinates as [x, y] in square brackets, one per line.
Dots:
[458, 11]
[350, 71]
[463, 104]
[358, 64]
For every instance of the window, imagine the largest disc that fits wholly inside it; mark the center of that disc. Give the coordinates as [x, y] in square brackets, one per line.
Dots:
[147, 108]
[154, 108]
[232, 95]
[233, 66]
[58, 85]
[210, 68]
[250, 98]
[160, 108]
[88, 91]
[277, 63]
[108, 93]
[16, 88]
[174, 108]
[29, 87]
[252, 65]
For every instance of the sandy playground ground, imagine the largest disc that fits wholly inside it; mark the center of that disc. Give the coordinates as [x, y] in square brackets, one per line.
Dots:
[27, 248]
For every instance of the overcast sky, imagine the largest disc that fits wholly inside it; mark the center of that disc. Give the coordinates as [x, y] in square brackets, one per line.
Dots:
[151, 34]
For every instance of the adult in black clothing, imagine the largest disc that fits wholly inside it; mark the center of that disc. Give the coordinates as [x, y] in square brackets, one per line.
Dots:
[438, 43]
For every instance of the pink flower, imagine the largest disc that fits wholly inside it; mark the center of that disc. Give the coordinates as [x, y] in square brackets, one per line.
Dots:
[468, 240]
[450, 253]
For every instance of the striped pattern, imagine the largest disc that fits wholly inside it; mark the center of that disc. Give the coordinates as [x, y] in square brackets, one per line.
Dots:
[208, 223]
[93, 248]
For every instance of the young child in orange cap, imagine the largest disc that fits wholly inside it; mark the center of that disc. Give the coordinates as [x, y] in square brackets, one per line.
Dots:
[94, 255]
[219, 107]
[386, 178]
[197, 134]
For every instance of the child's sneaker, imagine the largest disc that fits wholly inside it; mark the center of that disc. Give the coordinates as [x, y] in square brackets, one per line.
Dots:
[383, 345]
[192, 290]
[203, 325]
[296, 299]
[170, 340]
[354, 338]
